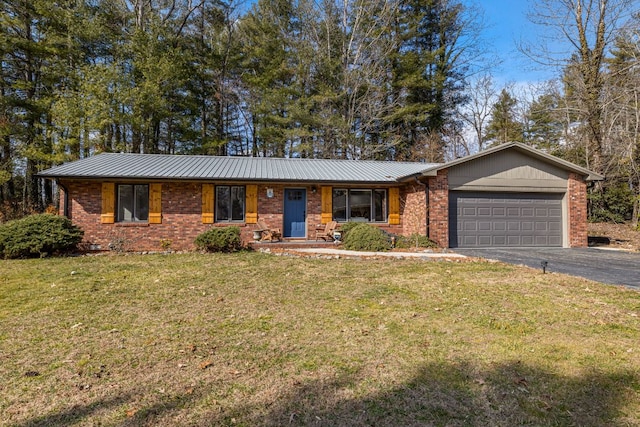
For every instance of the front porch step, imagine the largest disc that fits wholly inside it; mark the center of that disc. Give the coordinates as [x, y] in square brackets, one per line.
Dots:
[292, 244]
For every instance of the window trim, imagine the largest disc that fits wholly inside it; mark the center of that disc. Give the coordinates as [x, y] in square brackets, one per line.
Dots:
[230, 207]
[372, 204]
[135, 209]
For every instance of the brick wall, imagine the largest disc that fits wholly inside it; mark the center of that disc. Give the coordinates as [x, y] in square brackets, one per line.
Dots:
[577, 206]
[439, 208]
[182, 215]
[181, 219]
[413, 209]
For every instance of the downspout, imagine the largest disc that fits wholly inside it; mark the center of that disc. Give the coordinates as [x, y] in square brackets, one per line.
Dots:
[426, 193]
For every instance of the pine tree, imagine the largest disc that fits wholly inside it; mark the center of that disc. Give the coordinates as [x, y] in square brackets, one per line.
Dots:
[428, 73]
[544, 130]
[504, 125]
[269, 74]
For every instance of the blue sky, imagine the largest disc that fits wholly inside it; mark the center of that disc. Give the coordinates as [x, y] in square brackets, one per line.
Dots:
[507, 24]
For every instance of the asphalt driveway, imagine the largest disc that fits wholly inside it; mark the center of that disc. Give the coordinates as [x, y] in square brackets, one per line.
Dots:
[601, 265]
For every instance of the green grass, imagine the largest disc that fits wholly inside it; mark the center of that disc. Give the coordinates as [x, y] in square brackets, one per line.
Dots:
[252, 339]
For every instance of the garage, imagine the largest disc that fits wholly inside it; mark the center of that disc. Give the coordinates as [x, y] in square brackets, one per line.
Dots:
[500, 219]
[509, 195]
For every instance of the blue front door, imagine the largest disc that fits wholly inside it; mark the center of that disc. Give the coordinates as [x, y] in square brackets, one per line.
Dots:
[295, 211]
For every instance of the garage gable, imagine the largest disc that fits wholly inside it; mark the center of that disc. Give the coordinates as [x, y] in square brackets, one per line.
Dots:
[508, 170]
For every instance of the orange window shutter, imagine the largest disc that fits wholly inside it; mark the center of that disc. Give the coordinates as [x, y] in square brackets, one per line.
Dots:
[326, 205]
[107, 215]
[207, 203]
[155, 203]
[394, 206]
[251, 210]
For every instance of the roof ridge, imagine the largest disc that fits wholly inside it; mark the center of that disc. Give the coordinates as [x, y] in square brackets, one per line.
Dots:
[207, 156]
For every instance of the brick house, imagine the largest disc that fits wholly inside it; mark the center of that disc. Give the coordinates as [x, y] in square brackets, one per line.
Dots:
[510, 195]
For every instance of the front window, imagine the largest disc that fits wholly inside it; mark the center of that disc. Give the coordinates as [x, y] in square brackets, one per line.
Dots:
[229, 203]
[133, 202]
[359, 205]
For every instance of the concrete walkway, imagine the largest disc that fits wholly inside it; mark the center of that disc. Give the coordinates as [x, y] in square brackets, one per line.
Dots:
[346, 253]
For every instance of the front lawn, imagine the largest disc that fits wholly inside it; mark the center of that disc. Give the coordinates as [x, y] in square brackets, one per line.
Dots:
[256, 340]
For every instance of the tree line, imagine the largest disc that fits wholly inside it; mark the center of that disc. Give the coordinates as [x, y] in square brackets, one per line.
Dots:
[353, 79]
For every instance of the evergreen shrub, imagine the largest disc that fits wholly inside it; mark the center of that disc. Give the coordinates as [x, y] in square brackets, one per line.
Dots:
[38, 236]
[613, 204]
[225, 239]
[414, 241]
[365, 237]
[345, 227]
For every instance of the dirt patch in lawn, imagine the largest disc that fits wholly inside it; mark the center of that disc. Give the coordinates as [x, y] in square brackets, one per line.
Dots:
[620, 236]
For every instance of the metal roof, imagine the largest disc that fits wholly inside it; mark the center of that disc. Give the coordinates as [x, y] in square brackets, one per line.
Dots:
[184, 167]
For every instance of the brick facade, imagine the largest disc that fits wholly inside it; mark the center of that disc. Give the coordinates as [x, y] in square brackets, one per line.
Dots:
[413, 208]
[181, 219]
[439, 208]
[182, 215]
[577, 211]
[422, 211]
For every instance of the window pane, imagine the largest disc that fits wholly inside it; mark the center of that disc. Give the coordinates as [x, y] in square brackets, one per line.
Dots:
[142, 203]
[360, 205]
[339, 205]
[125, 202]
[230, 202]
[380, 205]
[223, 197]
[237, 203]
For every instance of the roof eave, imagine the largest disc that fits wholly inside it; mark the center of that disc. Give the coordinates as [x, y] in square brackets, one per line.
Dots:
[587, 174]
[220, 179]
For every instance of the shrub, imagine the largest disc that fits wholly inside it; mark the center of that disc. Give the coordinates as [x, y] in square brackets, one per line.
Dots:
[414, 241]
[613, 204]
[365, 237]
[226, 239]
[38, 235]
[345, 227]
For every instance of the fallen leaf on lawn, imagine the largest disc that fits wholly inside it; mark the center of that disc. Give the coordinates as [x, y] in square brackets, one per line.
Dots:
[206, 364]
[545, 405]
[521, 381]
[132, 412]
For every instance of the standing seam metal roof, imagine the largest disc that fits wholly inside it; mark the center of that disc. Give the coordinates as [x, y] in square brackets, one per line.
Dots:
[163, 166]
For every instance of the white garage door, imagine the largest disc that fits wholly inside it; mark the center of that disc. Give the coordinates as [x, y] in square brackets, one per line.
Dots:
[482, 219]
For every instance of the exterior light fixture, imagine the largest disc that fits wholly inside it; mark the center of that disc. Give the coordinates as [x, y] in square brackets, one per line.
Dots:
[544, 264]
[270, 193]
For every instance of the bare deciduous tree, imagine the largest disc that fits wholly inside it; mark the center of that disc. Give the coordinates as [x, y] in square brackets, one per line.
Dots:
[580, 31]
[476, 114]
